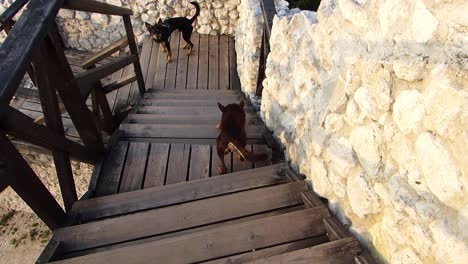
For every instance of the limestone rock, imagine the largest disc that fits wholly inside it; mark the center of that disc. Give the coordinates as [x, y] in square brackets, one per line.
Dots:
[363, 199]
[366, 142]
[406, 256]
[408, 111]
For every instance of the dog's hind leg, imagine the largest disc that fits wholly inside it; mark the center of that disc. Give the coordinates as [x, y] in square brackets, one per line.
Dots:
[169, 53]
[221, 147]
[187, 34]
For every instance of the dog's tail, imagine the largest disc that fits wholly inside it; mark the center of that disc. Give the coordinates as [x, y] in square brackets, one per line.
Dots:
[197, 11]
[249, 155]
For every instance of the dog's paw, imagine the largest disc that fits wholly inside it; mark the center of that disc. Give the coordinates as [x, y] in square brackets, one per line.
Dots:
[240, 157]
[218, 126]
[221, 169]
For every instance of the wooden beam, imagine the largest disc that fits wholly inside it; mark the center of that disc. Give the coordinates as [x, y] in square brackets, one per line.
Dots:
[3, 184]
[17, 49]
[310, 199]
[119, 84]
[51, 251]
[12, 10]
[23, 127]
[41, 119]
[46, 79]
[28, 186]
[96, 7]
[104, 53]
[134, 50]
[87, 78]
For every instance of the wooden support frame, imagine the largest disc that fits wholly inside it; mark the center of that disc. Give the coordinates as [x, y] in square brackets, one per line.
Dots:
[104, 53]
[28, 186]
[134, 50]
[119, 84]
[12, 10]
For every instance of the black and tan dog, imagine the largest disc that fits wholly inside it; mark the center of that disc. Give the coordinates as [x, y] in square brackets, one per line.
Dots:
[232, 136]
[162, 31]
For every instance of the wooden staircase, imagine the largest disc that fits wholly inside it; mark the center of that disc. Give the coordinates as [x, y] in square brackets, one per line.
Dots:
[264, 215]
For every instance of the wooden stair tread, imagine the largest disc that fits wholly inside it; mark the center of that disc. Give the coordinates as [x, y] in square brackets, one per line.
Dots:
[337, 252]
[212, 119]
[194, 102]
[193, 91]
[183, 110]
[218, 242]
[178, 217]
[117, 204]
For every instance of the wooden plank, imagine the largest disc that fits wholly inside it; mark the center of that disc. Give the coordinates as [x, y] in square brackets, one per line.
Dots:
[213, 75]
[187, 231]
[238, 165]
[120, 83]
[203, 62]
[224, 63]
[97, 7]
[180, 131]
[335, 252]
[157, 165]
[310, 199]
[104, 53]
[15, 171]
[271, 251]
[177, 167]
[215, 162]
[335, 230]
[194, 92]
[218, 242]
[183, 119]
[18, 47]
[182, 66]
[364, 258]
[186, 103]
[188, 97]
[258, 149]
[188, 215]
[153, 64]
[171, 71]
[134, 50]
[121, 101]
[234, 82]
[12, 10]
[51, 251]
[160, 76]
[192, 72]
[135, 165]
[108, 182]
[200, 162]
[183, 110]
[176, 193]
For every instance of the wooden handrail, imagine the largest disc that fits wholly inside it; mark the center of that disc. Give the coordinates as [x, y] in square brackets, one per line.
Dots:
[96, 7]
[31, 28]
[120, 83]
[104, 53]
[12, 10]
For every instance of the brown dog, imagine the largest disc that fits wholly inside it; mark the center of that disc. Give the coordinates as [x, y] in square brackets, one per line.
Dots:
[232, 136]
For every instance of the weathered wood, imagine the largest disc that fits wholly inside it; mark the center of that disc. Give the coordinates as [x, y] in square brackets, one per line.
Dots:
[187, 97]
[16, 51]
[175, 193]
[364, 258]
[108, 182]
[310, 199]
[26, 93]
[23, 127]
[183, 110]
[188, 215]
[259, 149]
[28, 186]
[183, 119]
[87, 78]
[51, 251]
[203, 62]
[144, 63]
[192, 71]
[153, 64]
[96, 7]
[159, 92]
[335, 230]
[12, 10]
[178, 163]
[171, 71]
[160, 75]
[224, 63]
[134, 50]
[218, 242]
[104, 53]
[213, 74]
[186, 103]
[182, 66]
[157, 165]
[121, 101]
[109, 121]
[335, 252]
[120, 83]
[46, 80]
[135, 165]
[199, 162]
[271, 251]
[41, 119]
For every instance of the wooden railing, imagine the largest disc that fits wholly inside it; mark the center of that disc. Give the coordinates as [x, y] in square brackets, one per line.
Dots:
[268, 11]
[34, 45]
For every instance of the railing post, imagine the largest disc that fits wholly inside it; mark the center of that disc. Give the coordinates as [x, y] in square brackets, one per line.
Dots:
[46, 80]
[28, 186]
[134, 50]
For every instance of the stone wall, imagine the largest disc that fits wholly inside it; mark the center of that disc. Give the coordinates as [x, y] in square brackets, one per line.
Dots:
[90, 32]
[370, 99]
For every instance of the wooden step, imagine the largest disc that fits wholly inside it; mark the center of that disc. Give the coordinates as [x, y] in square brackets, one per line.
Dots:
[181, 131]
[193, 91]
[117, 204]
[196, 102]
[218, 242]
[179, 217]
[340, 251]
[251, 119]
[183, 110]
[198, 96]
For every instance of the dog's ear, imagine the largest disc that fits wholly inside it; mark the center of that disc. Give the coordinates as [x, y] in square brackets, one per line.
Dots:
[241, 103]
[159, 22]
[148, 26]
[221, 107]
